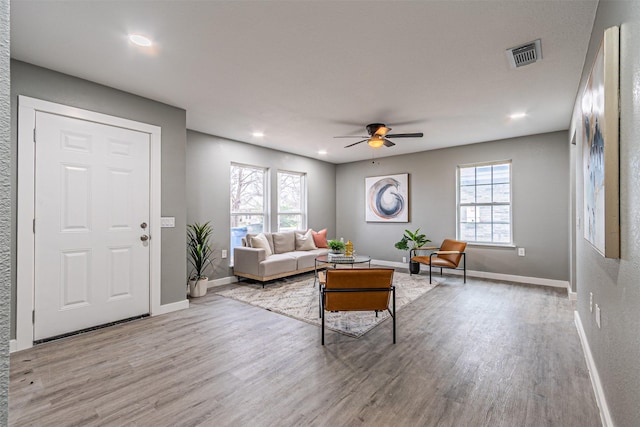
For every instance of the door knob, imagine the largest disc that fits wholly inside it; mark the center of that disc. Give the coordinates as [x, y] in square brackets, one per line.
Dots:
[143, 225]
[144, 237]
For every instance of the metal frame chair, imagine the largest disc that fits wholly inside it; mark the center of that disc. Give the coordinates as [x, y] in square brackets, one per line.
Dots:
[448, 255]
[358, 289]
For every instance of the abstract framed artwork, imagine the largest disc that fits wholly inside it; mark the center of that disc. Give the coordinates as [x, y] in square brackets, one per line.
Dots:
[387, 198]
[600, 145]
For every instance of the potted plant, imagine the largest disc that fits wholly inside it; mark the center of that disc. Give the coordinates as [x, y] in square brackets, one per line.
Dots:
[412, 240]
[199, 253]
[336, 246]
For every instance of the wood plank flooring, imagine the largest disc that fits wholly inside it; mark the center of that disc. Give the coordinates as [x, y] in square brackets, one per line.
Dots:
[477, 354]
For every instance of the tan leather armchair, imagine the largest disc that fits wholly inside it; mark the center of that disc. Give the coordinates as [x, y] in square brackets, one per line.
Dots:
[448, 255]
[359, 289]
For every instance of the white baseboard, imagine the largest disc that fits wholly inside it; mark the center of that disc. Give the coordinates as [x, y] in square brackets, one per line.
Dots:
[605, 414]
[221, 282]
[164, 309]
[390, 263]
[513, 278]
[486, 275]
[174, 306]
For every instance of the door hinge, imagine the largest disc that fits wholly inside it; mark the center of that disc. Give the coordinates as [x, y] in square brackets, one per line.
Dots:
[34, 226]
[33, 316]
[34, 135]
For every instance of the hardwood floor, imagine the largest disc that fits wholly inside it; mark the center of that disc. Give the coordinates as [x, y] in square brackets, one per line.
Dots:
[480, 354]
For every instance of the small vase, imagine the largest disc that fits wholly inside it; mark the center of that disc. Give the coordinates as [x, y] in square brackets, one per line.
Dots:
[348, 250]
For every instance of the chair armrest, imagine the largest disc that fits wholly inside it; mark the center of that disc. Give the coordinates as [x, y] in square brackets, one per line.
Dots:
[247, 260]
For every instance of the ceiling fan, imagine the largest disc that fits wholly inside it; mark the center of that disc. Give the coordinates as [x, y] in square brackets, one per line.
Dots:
[379, 136]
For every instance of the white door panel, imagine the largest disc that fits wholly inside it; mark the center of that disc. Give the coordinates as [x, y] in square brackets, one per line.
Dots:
[92, 195]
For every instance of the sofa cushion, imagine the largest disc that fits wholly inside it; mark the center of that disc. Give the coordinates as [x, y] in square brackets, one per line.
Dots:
[277, 264]
[284, 241]
[304, 259]
[304, 241]
[248, 238]
[260, 241]
[320, 238]
[267, 235]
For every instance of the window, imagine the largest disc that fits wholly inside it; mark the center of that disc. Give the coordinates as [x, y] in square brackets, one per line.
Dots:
[249, 213]
[292, 203]
[484, 203]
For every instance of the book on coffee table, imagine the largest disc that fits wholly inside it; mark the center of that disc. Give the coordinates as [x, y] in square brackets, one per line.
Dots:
[340, 258]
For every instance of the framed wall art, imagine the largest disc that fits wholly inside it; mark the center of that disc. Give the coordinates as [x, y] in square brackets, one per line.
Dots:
[600, 145]
[387, 198]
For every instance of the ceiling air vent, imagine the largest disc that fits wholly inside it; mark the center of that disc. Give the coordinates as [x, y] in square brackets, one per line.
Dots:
[524, 55]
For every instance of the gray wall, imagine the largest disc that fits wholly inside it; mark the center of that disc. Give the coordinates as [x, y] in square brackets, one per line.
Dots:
[615, 283]
[37, 82]
[540, 203]
[5, 212]
[208, 161]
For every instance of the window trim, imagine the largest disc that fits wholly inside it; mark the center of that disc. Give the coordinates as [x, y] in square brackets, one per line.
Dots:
[303, 202]
[459, 205]
[266, 204]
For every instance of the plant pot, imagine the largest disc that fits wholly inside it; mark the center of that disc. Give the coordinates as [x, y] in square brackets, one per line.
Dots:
[414, 267]
[198, 288]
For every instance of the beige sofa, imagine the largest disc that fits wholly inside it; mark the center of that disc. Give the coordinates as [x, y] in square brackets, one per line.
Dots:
[289, 255]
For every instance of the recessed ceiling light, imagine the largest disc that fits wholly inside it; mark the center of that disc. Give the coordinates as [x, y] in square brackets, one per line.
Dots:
[258, 134]
[322, 152]
[140, 40]
[516, 116]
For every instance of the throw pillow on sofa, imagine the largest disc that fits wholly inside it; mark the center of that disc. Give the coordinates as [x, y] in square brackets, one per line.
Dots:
[304, 241]
[260, 241]
[320, 238]
[283, 242]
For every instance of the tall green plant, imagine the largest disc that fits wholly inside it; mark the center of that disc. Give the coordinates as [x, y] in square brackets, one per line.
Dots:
[198, 249]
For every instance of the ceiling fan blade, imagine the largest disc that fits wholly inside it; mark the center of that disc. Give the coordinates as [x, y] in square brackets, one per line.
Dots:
[407, 122]
[405, 135]
[388, 143]
[351, 136]
[355, 143]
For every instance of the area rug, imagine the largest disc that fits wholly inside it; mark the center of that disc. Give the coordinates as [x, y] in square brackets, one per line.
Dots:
[298, 298]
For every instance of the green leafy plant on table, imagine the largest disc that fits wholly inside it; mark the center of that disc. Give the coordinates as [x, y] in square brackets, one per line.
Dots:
[336, 246]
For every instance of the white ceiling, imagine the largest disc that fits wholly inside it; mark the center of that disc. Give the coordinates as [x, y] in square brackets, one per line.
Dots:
[305, 71]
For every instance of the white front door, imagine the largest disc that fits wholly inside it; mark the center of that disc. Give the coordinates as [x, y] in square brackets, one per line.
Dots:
[91, 216]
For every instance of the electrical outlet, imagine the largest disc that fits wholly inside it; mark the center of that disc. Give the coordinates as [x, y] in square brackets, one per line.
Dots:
[598, 315]
[591, 302]
[224, 253]
[404, 259]
[167, 222]
[520, 251]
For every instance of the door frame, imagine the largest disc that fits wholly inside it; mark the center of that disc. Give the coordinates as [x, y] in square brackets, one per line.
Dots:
[25, 254]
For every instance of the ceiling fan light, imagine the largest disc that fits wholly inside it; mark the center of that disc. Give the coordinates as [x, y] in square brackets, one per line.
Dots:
[382, 131]
[376, 141]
